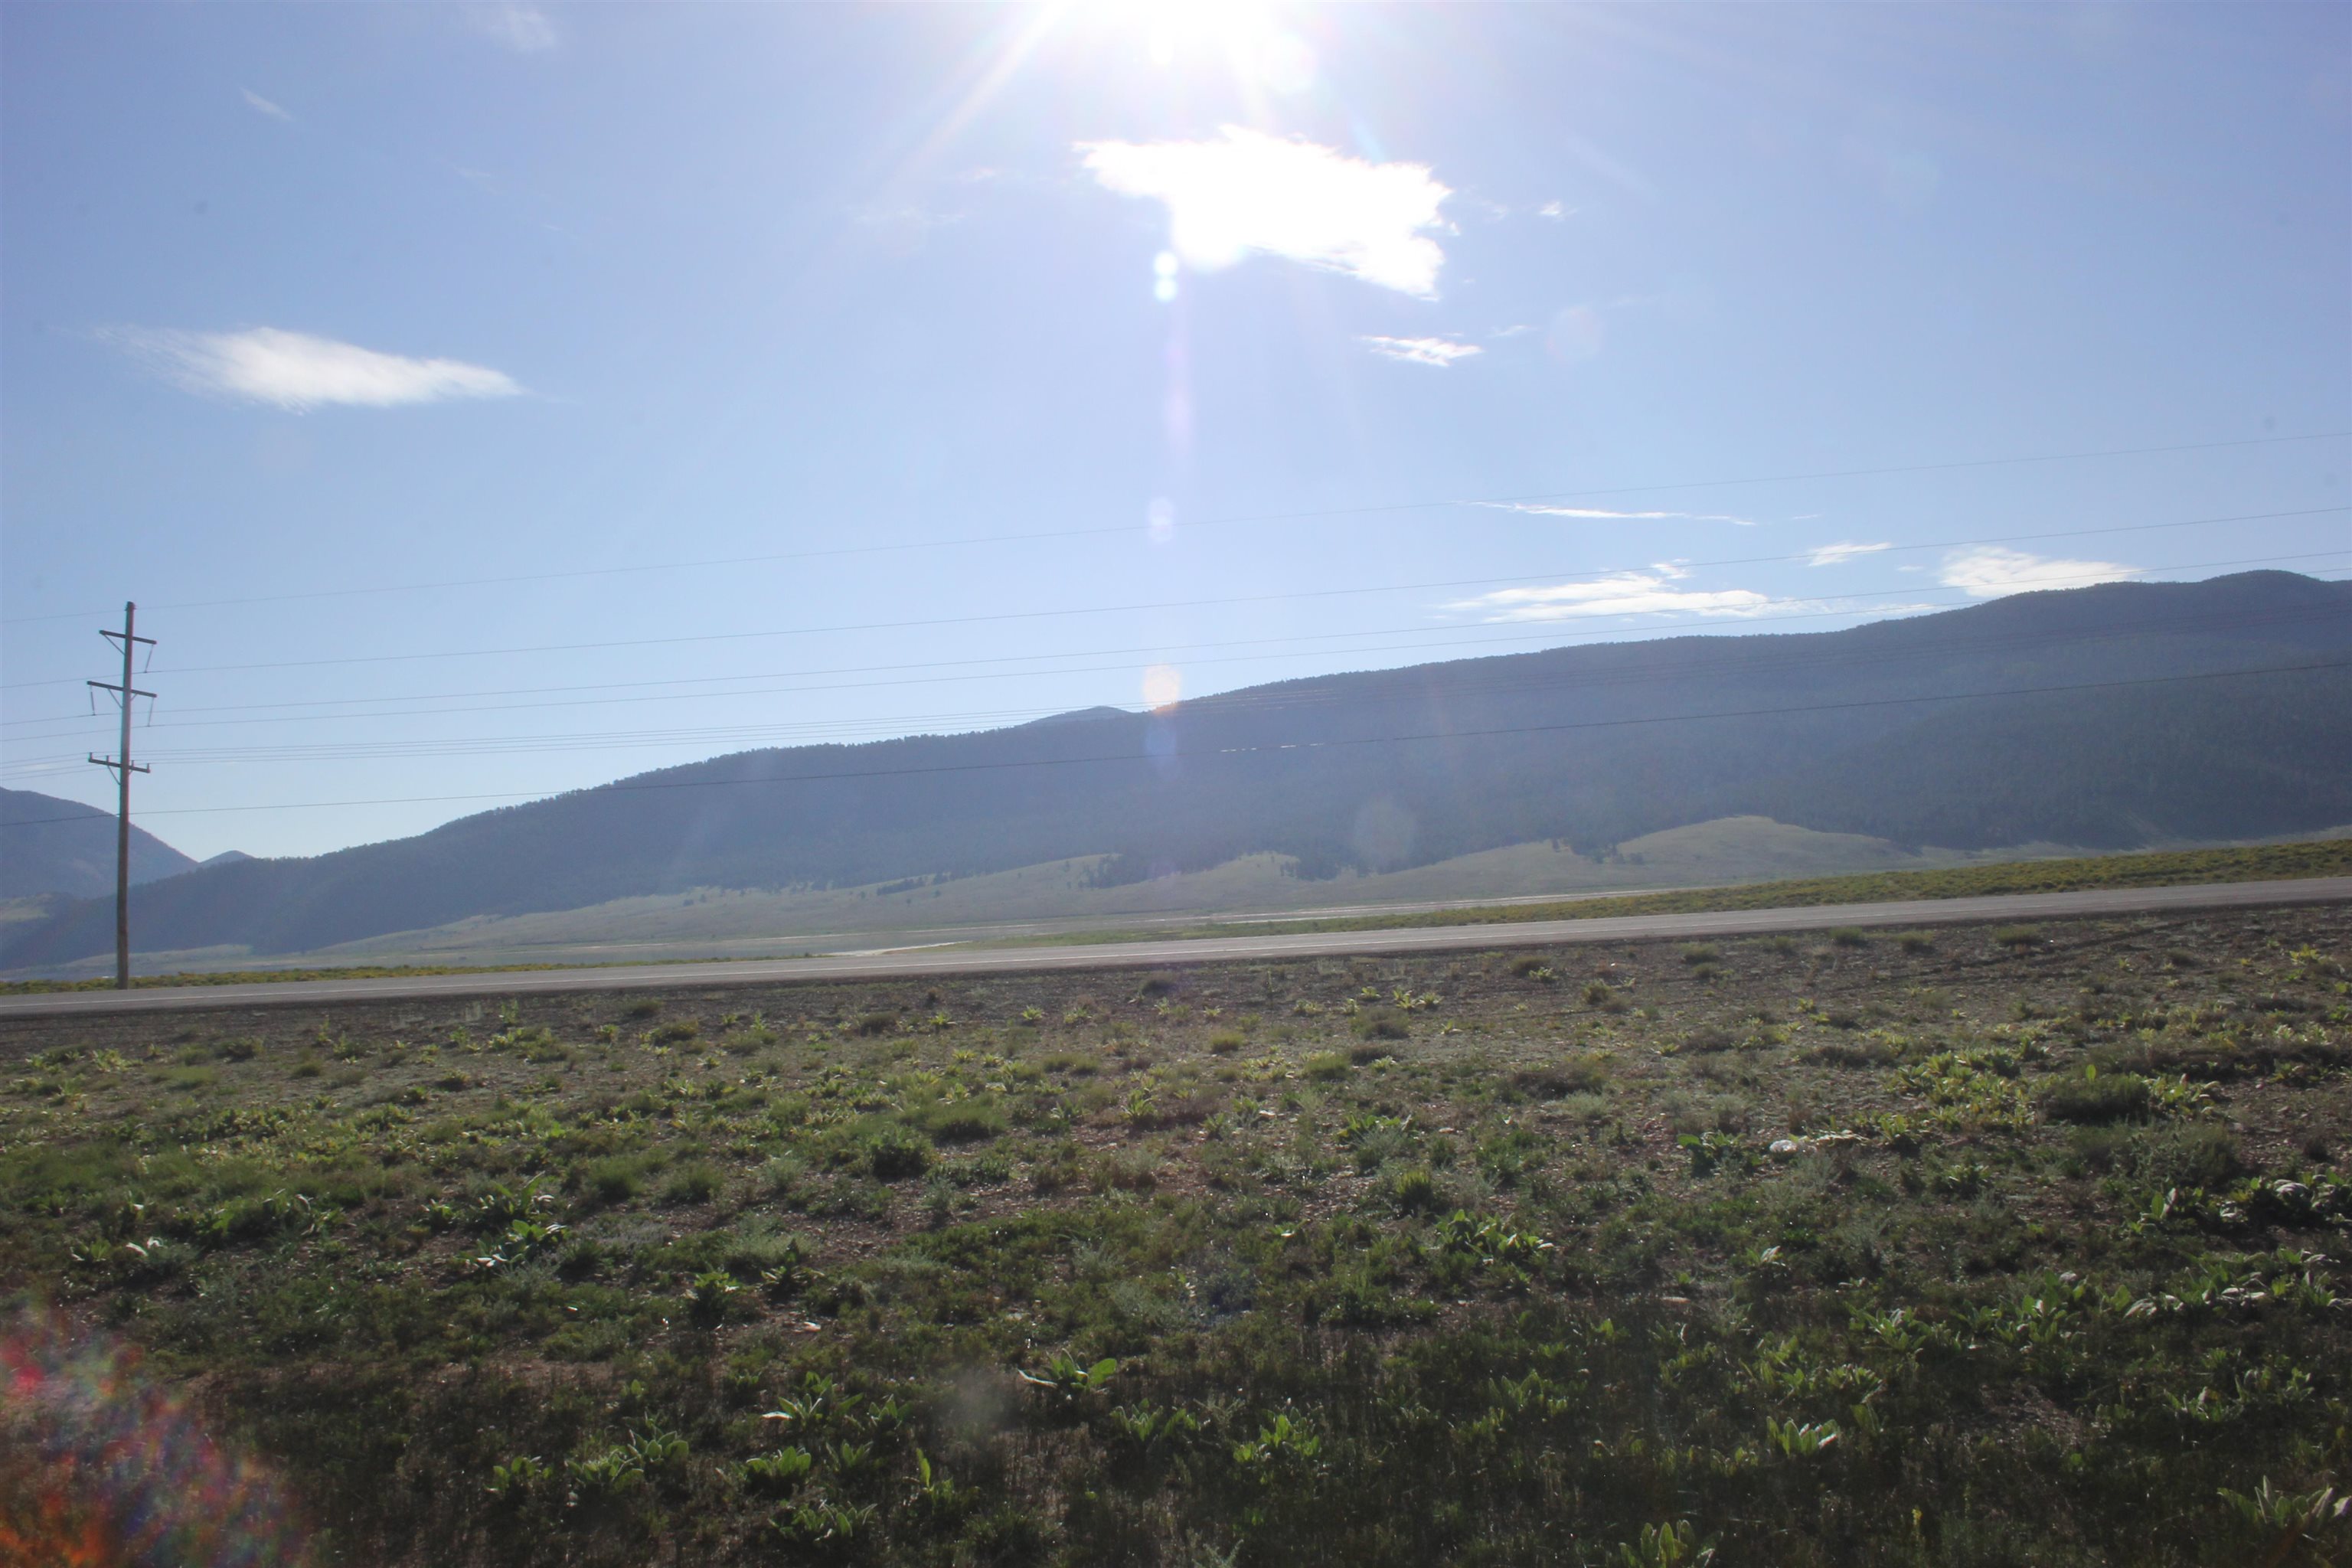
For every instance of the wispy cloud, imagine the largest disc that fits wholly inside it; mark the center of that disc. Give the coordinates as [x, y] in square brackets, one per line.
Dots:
[261, 105]
[1987, 571]
[1605, 514]
[1554, 210]
[296, 372]
[1841, 551]
[1437, 351]
[1648, 592]
[1247, 191]
[525, 30]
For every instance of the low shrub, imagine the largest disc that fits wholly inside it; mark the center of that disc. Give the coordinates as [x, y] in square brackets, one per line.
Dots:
[964, 1122]
[1133, 1170]
[1857, 1053]
[1058, 1168]
[1414, 1191]
[617, 1178]
[2117, 1097]
[1584, 1073]
[2194, 1156]
[696, 1182]
[895, 1153]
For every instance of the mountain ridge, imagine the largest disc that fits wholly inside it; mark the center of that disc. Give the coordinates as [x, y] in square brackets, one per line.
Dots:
[49, 845]
[2103, 717]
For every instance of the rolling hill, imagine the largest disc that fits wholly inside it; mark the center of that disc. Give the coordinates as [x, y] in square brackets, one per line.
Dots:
[2104, 718]
[52, 846]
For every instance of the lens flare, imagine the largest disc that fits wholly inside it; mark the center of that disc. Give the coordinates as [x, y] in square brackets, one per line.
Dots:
[100, 1467]
[1163, 685]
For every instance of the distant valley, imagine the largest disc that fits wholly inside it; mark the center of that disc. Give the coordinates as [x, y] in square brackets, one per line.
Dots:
[710, 922]
[2108, 717]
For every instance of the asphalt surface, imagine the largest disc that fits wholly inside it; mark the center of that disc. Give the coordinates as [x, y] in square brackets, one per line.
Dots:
[861, 943]
[2016, 907]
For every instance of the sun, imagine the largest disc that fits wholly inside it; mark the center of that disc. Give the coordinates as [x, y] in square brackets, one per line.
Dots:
[1242, 37]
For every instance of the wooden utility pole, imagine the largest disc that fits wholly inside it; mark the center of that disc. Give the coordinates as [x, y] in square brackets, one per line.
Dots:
[123, 768]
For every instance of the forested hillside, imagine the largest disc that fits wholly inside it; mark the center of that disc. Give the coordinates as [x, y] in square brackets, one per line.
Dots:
[52, 846]
[2103, 717]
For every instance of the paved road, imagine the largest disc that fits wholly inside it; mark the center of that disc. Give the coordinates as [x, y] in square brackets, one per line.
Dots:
[1136, 954]
[866, 942]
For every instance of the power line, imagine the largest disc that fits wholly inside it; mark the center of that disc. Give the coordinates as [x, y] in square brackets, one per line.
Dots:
[1136, 608]
[1554, 637]
[1248, 519]
[1240, 751]
[822, 731]
[36, 765]
[1166, 648]
[1265, 700]
[1559, 642]
[122, 767]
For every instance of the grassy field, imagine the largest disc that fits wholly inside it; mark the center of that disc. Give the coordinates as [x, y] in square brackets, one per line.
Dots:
[1972, 1247]
[752, 922]
[2160, 868]
[2252, 863]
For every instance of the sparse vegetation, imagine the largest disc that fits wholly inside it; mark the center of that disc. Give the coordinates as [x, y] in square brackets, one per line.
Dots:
[1982, 1256]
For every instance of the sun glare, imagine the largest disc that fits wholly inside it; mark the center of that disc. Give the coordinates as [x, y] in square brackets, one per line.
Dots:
[1245, 39]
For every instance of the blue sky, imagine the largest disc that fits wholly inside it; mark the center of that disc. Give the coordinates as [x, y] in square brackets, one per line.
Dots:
[1234, 311]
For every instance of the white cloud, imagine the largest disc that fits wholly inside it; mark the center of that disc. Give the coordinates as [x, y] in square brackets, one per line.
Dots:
[1251, 192]
[1554, 211]
[1604, 514]
[1838, 554]
[298, 372]
[525, 30]
[262, 105]
[1988, 571]
[1437, 351]
[1617, 593]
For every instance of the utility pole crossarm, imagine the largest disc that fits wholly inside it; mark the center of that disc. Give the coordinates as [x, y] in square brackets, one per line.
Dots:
[128, 696]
